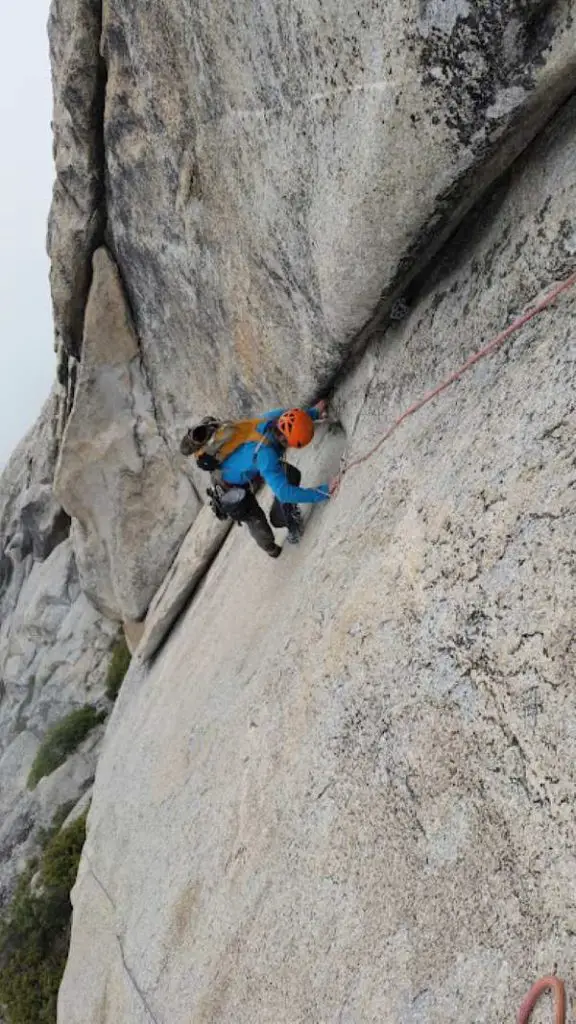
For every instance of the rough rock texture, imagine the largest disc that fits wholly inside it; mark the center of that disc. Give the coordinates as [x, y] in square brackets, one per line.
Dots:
[78, 213]
[241, 193]
[54, 646]
[80, 808]
[345, 790]
[130, 503]
[133, 632]
[273, 173]
[203, 541]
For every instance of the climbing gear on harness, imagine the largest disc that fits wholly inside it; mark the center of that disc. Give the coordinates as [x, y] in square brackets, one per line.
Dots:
[471, 361]
[556, 985]
[234, 502]
[215, 496]
[228, 502]
[297, 427]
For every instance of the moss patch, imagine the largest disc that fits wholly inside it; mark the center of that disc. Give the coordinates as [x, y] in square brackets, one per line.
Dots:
[118, 667]
[62, 740]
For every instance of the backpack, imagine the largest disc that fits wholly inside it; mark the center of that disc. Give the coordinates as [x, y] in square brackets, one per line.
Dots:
[227, 437]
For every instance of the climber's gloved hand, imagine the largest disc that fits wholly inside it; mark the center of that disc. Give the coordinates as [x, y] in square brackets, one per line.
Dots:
[322, 409]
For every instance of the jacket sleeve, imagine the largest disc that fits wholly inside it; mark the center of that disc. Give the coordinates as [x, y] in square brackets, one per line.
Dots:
[271, 469]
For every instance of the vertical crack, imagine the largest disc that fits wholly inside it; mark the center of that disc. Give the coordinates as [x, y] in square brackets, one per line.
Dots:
[128, 970]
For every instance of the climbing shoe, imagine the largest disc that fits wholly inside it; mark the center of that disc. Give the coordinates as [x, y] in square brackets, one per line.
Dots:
[295, 525]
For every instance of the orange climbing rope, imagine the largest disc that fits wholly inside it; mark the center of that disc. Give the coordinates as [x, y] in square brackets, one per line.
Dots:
[538, 989]
[474, 358]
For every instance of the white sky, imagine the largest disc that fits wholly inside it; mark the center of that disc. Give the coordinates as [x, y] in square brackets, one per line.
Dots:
[27, 362]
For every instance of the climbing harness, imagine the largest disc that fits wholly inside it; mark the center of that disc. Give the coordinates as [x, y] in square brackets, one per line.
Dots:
[471, 361]
[556, 985]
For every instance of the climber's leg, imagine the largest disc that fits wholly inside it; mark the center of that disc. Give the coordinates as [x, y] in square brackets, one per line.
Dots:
[259, 527]
[287, 515]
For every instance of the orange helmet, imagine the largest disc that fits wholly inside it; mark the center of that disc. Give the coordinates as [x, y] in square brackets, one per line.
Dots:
[297, 427]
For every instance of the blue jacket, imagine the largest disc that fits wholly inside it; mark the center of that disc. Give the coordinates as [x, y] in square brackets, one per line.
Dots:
[253, 460]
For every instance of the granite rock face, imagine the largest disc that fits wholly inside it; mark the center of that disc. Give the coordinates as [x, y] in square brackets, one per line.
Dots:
[131, 505]
[78, 211]
[54, 646]
[241, 194]
[268, 177]
[339, 791]
[203, 541]
[343, 792]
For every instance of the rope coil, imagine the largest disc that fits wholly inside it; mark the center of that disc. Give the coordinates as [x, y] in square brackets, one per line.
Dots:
[556, 986]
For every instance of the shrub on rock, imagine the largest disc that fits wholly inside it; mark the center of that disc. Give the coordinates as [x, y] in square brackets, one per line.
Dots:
[35, 930]
[62, 740]
[118, 667]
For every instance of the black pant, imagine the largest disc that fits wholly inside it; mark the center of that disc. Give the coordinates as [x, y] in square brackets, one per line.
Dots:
[280, 514]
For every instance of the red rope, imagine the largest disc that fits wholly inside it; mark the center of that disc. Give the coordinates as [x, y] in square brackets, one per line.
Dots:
[550, 983]
[538, 989]
[475, 358]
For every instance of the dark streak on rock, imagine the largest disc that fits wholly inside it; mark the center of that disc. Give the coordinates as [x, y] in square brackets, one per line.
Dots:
[496, 47]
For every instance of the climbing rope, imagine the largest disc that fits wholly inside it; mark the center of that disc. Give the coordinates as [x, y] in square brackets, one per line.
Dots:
[538, 989]
[471, 361]
[549, 983]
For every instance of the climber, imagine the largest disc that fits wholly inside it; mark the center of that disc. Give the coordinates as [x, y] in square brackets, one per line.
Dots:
[240, 455]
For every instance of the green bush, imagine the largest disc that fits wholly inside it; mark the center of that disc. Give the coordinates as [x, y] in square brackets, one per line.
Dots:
[59, 862]
[35, 931]
[118, 667]
[62, 740]
[46, 834]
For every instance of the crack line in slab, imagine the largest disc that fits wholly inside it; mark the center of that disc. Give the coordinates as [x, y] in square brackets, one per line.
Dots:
[128, 970]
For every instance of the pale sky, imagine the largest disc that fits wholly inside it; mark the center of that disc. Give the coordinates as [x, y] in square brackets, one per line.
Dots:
[27, 362]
